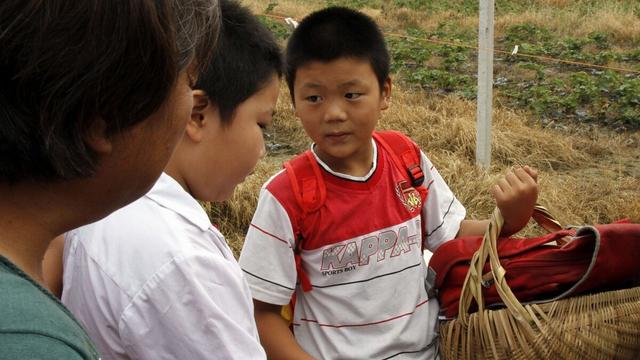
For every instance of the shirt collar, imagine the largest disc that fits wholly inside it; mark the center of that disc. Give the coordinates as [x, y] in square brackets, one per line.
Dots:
[168, 193]
[347, 176]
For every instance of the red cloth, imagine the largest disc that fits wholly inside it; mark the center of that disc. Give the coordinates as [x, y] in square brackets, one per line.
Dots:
[596, 258]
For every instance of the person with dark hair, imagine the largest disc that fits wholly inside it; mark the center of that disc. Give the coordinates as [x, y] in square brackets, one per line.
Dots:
[94, 96]
[156, 280]
[341, 230]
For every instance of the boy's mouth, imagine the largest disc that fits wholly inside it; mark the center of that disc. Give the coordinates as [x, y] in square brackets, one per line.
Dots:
[337, 135]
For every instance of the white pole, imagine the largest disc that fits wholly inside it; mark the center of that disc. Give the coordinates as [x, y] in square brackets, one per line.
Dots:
[485, 83]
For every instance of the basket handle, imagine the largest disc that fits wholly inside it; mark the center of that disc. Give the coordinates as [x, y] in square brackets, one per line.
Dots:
[472, 287]
[545, 220]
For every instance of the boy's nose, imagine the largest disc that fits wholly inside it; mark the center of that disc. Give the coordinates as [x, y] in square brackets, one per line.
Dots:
[335, 112]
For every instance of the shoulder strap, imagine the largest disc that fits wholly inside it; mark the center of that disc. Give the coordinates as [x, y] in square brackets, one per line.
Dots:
[308, 185]
[306, 181]
[403, 152]
[310, 192]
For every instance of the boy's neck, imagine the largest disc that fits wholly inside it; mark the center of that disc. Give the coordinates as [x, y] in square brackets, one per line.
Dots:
[173, 170]
[357, 165]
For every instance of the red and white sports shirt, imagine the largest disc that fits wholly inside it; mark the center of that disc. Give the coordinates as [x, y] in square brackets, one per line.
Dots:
[362, 254]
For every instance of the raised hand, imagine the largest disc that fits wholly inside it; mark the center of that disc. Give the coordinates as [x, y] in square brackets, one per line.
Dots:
[516, 194]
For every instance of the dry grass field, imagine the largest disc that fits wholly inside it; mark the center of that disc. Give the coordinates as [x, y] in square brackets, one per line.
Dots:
[588, 173]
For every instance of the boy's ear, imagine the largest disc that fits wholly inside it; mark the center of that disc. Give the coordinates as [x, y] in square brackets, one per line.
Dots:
[198, 115]
[385, 100]
[96, 137]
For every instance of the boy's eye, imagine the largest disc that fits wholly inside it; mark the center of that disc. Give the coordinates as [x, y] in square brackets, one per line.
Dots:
[313, 98]
[352, 96]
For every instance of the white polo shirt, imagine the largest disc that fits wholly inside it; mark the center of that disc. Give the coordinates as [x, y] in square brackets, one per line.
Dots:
[155, 280]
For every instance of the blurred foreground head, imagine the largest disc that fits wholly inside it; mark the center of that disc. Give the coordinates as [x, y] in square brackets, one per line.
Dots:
[72, 69]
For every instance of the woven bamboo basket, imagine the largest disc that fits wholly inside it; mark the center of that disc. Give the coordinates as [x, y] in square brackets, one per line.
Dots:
[605, 325]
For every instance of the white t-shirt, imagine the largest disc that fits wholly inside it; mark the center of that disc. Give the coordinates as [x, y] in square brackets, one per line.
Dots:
[362, 254]
[155, 280]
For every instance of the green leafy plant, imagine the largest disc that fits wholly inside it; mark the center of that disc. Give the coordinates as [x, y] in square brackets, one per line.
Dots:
[278, 28]
[269, 9]
[600, 39]
[356, 4]
[526, 33]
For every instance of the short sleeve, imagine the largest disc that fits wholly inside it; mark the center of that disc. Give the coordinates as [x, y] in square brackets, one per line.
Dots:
[267, 257]
[442, 211]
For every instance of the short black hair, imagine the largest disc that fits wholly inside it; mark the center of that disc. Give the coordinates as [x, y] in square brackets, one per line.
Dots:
[337, 32]
[66, 64]
[247, 56]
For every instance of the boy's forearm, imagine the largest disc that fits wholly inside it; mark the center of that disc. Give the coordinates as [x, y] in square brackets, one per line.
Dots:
[472, 227]
[276, 338]
[478, 227]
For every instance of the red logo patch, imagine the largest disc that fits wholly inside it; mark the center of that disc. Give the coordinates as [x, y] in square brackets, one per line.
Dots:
[409, 196]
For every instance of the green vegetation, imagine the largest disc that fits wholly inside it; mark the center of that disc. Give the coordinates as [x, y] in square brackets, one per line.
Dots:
[277, 27]
[503, 7]
[438, 55]
[550, 90]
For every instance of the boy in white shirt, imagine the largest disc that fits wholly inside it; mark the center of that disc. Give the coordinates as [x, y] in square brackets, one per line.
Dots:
[155, 280]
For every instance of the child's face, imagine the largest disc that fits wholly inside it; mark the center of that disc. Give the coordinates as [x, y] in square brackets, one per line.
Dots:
[339, 103]
[231, 151]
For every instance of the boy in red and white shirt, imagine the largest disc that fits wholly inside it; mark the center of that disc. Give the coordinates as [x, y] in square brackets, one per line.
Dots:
[355, 262]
